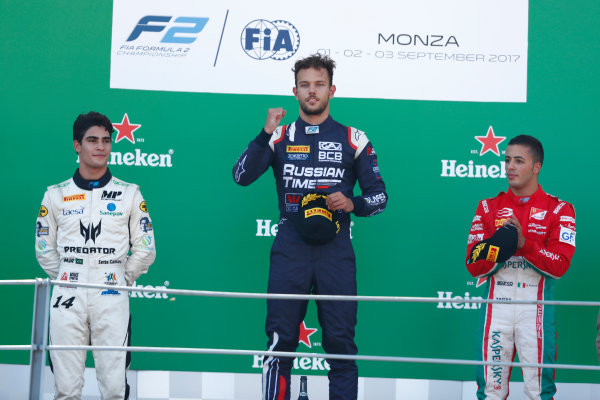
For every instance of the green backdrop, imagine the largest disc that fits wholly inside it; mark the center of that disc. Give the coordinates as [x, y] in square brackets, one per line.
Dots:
[55, 61]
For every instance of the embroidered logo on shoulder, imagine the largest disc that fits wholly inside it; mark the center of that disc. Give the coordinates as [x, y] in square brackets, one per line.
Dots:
[558, 207]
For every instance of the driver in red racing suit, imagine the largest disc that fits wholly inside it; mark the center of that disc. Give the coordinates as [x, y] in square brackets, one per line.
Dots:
[544, 248]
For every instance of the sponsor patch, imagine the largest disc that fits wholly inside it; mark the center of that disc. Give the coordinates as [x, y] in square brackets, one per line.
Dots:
[476, 218]
[72, 211]
[485, 206]
[41, 230]
[297, 157]
[311, 130]
[566, 218]
[477, 227]
[43, 211]
[499, 222]
[109, 292]
[331, 146]
[297, 149]
[376, 199]
[74, 197]
[292, 201]
[111, 278]
[73, 276]
[317, 211]
[72, 260]
[558, 207]
[145, 224]
[111, 195]
[537, 213]
[475, 238]
[147, 240]
[567, 236]
[505, 212]
[143, 206]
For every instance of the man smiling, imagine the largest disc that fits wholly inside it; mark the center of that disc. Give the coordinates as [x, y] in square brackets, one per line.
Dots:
[520, 241]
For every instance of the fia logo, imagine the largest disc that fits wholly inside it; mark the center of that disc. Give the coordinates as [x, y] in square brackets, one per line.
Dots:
[157, 23]
[262, 39]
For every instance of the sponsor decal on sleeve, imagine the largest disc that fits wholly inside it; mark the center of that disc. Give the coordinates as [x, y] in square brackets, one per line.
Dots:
[475, 238]
[567, 236]
[41, 230]
[145, 224]
[477, 227]
[43, 211]
[143, 206]
[376, 199]
[558, 207]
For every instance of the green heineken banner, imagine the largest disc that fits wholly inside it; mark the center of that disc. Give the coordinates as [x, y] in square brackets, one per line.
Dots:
[187, 85]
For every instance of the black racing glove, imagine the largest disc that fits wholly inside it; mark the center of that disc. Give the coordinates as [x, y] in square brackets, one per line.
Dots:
[498, 248]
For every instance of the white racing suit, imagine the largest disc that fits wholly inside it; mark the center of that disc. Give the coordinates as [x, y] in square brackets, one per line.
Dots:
[85, 230]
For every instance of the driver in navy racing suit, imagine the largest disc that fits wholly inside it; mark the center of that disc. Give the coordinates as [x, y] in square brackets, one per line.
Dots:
[313, 154]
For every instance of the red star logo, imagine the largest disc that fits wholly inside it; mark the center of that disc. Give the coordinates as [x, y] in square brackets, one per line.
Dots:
[490, 142]
[126, 130]
[305, 334]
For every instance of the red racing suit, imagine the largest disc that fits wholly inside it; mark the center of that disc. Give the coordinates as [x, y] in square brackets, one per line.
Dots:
[548, 225]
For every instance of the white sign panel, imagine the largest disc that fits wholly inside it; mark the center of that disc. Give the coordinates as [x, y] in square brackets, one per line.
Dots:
[470, 50]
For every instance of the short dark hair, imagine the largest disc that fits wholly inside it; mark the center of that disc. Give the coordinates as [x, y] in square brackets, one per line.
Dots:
[86, 121]
[315, 61]
[535, 146]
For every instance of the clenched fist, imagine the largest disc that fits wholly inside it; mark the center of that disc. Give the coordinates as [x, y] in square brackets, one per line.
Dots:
[274, 117]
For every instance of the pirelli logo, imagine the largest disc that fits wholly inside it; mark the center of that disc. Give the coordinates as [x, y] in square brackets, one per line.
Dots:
[492, 254]
[297, 149]
[317, 211]
[74, 197]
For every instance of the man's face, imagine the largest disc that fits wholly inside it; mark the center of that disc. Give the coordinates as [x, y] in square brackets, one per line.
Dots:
[521, 170]
[313, 91]
[94, 149]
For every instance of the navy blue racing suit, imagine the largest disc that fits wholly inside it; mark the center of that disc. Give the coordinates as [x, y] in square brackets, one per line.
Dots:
[326, 158]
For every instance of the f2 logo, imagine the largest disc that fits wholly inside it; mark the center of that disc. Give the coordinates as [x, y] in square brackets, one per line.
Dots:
[170, 37]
